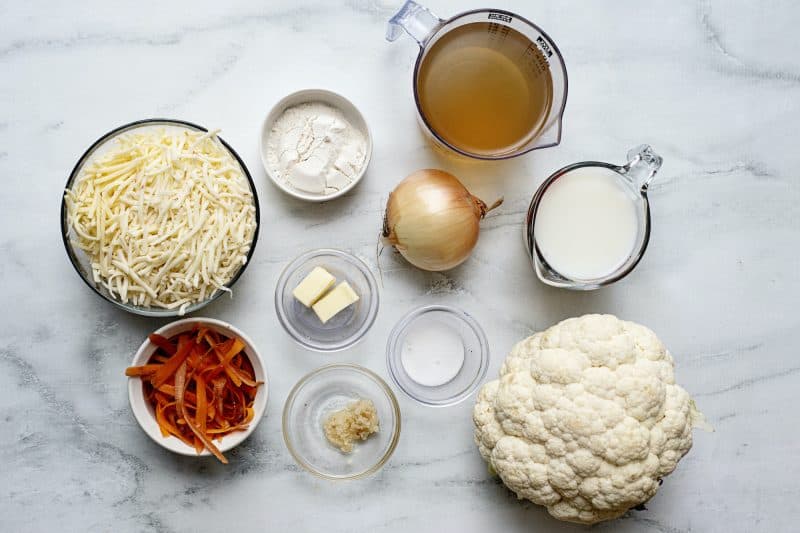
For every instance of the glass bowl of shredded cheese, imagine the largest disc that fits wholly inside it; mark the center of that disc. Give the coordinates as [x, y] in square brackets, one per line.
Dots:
[160, 217]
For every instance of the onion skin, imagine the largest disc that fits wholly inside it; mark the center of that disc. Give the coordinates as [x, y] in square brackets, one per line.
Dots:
[433, 220]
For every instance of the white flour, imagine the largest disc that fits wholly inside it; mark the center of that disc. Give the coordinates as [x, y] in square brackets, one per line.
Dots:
[313, 148]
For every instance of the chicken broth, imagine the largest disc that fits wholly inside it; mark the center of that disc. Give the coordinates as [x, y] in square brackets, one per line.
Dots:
[485, 88]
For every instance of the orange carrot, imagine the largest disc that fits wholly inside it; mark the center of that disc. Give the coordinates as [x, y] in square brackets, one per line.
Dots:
[202, 406]
[201, 385]
[169, 368]
[201, 333]
[162, 343]
[144, 370]
[219, 388]
[236, 347]
[209, 445]
[168, 427]
[169, 390]
[180, 386]
[225, 355]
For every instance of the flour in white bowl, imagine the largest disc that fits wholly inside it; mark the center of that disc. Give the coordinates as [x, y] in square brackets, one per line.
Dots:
[313, 148]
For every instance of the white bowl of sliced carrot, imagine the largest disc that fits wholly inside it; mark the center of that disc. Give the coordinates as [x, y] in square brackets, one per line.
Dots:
[198, 386]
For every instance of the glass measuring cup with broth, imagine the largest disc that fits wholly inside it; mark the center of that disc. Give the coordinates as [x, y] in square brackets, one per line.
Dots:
[588, 224]
[488, 84]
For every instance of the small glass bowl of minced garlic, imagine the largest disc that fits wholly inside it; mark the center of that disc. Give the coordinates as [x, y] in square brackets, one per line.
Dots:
[357, 421]
[341, 421]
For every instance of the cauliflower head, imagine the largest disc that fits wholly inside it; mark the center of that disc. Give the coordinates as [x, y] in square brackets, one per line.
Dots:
[586, 418]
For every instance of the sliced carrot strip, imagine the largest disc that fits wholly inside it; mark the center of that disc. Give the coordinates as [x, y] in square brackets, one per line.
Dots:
[211, 338]
[144, 370]
[236, 347]
[219, 388]
[209, 445]
[234, 376]
[163, 425]
[244, 378]
[227, 352]
[238, 427]
[202, 405]
[162, 343]
[195, 355]
[243, 425]
[222, 348]
[201, 333]
[180, 386]
[170, 391]
[169, 368]
[169, 427]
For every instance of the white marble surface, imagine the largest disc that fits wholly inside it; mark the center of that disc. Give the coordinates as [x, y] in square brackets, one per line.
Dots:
[713, 85]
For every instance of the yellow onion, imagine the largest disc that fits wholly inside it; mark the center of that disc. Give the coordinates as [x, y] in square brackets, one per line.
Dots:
[433, 220]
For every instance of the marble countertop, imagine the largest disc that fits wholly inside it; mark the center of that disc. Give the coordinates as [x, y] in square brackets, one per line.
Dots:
[713, 85]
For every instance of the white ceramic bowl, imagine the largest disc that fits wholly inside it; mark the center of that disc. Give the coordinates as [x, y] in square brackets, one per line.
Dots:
[144, 414]
[350, 112]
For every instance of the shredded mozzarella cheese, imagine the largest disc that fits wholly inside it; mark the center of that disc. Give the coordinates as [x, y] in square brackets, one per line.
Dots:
[166, 217]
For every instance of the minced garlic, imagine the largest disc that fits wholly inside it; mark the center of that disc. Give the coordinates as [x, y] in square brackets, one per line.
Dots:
[355, 422]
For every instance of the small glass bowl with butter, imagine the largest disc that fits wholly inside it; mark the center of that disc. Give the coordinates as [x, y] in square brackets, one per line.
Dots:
[326, 300]
[437, 355]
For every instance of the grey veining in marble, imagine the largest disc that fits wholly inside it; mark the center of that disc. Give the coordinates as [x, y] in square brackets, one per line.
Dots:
[713, 85]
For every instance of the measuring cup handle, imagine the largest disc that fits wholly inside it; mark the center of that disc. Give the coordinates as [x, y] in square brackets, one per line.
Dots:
[642, 165]
[415, 20]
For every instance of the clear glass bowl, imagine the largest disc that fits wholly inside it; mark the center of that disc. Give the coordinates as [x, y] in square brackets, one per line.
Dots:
[324, 391]
[81, 261]
[346, 328]
[469, 376]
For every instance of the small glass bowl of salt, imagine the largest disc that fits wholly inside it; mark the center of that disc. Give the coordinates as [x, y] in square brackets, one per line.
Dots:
[437, 355]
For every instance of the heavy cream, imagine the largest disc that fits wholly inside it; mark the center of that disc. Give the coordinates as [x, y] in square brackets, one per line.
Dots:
[587, 223]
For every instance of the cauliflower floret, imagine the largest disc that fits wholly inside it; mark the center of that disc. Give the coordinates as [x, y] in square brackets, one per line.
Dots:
[585, 418]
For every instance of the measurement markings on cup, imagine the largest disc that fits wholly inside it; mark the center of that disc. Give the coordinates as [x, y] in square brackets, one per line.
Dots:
[500, 16]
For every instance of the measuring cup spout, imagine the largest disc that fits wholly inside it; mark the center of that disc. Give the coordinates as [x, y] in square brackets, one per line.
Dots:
[642, 165]
[549, 137]
[415, 20]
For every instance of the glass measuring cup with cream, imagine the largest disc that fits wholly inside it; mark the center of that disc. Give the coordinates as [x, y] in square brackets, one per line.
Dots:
[588, 224]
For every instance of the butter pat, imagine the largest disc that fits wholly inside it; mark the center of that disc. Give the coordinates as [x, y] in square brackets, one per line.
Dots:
[336, 300]
[314, 285]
